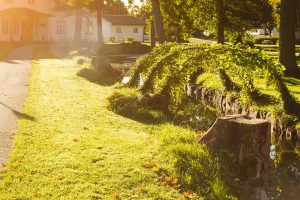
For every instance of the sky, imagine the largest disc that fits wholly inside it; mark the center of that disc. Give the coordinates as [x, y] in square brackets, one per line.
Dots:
[137, 2]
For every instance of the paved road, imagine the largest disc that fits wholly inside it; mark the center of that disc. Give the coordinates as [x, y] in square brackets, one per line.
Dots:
[14, 74]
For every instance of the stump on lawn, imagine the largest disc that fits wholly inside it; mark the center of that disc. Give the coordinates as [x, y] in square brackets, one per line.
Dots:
[245, 142]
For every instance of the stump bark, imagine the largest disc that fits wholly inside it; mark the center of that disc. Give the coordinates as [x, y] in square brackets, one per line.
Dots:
[245, 142]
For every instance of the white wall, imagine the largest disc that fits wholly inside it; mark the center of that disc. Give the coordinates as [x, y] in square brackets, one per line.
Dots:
[91, 34]
[106, 29]
[45, 29]
[40, 5]
[127, 32]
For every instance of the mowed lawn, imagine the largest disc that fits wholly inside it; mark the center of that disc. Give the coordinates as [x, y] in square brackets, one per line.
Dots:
[77, 149]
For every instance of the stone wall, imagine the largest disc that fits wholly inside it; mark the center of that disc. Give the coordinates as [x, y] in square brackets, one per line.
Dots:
[231, 106]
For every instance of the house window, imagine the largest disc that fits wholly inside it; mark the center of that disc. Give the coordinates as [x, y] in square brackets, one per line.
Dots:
[136, 30]
[61, 27]
[5, 28]
[119, 30]
[15, 26]
[31, 1]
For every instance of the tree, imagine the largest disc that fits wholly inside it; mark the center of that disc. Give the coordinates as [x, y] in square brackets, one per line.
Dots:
[78, 6]
[221, 21]
[161, 35]
[288, 20]
[219, 17]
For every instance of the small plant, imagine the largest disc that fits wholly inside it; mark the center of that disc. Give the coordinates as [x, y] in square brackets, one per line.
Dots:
[112, 39]
[129, 40]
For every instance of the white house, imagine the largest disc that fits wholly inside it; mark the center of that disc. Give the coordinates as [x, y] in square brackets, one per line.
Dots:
[40, 20]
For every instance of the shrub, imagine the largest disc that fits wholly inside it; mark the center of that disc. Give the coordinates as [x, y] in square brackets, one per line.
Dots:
[127, 102]
[129, 40]
[112, 39]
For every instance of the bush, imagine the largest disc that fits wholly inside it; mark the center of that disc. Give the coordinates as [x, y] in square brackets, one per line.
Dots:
[129, 40]
[127, 102]
[112, 39]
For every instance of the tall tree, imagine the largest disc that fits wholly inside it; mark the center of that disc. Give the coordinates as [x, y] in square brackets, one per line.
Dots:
[288, 20]
[78, 6]
[98, 6]
[158, 19]
[221, 21]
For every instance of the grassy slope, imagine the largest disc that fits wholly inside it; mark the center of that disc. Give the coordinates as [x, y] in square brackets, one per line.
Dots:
[76, 148]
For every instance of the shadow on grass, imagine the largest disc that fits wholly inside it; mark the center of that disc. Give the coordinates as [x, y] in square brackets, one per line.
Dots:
[262, 99]
[103, 79]
[19, 114]
[127, 102]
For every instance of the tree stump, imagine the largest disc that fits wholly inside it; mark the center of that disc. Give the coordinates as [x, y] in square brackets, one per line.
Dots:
[245, 142]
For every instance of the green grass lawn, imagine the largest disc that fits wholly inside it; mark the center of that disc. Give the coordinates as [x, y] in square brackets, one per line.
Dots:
[77, 149]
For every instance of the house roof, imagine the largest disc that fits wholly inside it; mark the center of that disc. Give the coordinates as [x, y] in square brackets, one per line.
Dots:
[123, 20]
[23, 12]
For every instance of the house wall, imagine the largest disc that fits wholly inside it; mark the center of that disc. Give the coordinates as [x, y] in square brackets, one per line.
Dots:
[89, 28]
[40, 5]
[127, 31]
[69, 27]
[46, 29]
[106, 30]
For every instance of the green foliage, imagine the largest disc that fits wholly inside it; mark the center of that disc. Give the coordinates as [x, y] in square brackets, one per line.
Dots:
[127, 102]
[195, 168]
[189, 16]
[169, 67]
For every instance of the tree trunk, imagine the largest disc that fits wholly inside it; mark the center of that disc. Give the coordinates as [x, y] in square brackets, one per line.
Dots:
[78, 27]
[159, 26]
[221, 21]
[288, 19]
[99, 27]
[244, 143]
[153, 34]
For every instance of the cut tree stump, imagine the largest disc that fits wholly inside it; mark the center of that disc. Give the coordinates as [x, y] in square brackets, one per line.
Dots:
[245, 143]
